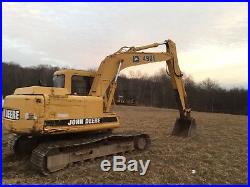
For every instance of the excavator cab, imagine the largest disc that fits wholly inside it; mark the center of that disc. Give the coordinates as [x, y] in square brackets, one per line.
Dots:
[78, 82]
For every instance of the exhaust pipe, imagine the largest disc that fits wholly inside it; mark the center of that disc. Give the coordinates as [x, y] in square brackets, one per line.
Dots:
[184, 127]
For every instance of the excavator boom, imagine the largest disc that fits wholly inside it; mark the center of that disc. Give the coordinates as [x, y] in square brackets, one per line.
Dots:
[110, 67]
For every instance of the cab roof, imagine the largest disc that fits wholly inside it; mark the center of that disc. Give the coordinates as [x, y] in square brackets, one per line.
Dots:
[75, 72]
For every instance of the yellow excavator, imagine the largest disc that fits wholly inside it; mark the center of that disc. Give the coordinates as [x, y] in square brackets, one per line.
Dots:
[72, 121]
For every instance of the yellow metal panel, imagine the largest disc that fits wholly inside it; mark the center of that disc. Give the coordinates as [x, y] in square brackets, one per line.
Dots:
[71, 72]
[25, 104]
[32, 90]
[73, 107]
[93, 106]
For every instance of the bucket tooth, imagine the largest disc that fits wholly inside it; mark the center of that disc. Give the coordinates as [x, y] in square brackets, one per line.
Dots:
[184, 127]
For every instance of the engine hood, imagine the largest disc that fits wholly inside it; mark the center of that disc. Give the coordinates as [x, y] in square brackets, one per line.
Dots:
[40, 90]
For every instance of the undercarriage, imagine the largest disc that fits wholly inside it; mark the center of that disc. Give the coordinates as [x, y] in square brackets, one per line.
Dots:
[51, 154]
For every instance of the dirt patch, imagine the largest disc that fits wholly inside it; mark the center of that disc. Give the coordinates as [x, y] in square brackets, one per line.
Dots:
[218, 155]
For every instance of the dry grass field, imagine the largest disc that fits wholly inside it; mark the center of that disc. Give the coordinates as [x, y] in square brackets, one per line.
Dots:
[219, 154]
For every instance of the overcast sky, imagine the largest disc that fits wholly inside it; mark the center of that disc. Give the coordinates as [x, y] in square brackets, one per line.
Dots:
[211, 38]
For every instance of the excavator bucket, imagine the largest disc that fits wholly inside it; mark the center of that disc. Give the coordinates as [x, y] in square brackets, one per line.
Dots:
[184, 127]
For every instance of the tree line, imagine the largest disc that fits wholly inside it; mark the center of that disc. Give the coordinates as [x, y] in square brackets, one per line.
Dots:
[206, 96]
[156, 90]
[15, 76]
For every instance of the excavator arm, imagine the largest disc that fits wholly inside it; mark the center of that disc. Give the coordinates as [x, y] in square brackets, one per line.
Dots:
[105, 82]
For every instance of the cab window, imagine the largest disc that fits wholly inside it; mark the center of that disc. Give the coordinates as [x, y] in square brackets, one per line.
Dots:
[58, 81]
[81, 85]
